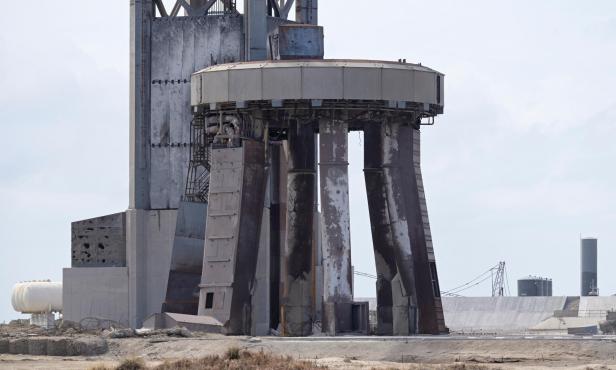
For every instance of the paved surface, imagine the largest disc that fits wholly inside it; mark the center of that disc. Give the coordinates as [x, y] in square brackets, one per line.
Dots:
[420, 338]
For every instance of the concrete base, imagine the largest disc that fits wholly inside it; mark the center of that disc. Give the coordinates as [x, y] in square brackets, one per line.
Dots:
[100, 292]
[169, 320]
[125, 295]
[44, 320]
[360, 316]
[149, 243]
[337, 317]
[403, 311]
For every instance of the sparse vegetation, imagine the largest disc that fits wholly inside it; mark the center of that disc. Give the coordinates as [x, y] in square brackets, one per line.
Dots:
[233, 353]
[132, 364]
[234, 359]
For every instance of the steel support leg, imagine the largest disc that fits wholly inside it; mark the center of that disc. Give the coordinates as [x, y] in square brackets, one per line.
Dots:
[397, 208]
[235, 209]
[382, 238]
[296, 310]
[430, 311]
[336, 238]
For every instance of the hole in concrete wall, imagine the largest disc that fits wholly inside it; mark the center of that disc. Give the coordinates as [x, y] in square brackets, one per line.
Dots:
[106, 236]
[209, 300]
[103, 260]
[101, 246]
[86, 245]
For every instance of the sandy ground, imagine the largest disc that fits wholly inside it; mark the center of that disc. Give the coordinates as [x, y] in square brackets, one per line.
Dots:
[367, 353]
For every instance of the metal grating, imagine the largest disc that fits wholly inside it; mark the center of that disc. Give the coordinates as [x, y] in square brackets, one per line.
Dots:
[211, 7]
[198, 181]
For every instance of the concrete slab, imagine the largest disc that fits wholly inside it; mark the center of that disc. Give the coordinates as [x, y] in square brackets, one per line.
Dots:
[169, 320]
[98, 292]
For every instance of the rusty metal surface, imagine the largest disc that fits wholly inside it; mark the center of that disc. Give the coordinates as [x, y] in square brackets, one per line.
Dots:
[278, 178]
[251, 213]
[296, 305]
[393, 163]
[430, 310]
[335, 219]
[382, 238]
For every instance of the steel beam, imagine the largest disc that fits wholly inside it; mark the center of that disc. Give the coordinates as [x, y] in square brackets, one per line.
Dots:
[255, 28]
[397, 208]
[278, 213]
[296, 310]
[141, 14]
[335, 221]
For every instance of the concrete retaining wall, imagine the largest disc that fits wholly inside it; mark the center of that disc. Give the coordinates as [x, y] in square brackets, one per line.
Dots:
[54, 346]
[498, 314]
[592, 306]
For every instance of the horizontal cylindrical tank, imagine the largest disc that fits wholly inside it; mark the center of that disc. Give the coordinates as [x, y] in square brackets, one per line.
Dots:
[534, 286]
[37, 297]
[588, 267]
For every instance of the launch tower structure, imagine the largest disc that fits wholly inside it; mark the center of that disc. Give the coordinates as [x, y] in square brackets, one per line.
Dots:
[223, 221]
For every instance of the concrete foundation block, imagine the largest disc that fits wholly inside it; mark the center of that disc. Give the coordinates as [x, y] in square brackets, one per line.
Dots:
[4, 346]
[18, 346]
[57, 347]
[343, 317]
[360, 317]
[37, 346]
[86, 347]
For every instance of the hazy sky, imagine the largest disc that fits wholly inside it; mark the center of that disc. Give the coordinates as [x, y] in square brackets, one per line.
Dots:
[520, 164]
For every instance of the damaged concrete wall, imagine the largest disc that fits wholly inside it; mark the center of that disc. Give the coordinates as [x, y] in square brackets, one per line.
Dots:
[99, 242]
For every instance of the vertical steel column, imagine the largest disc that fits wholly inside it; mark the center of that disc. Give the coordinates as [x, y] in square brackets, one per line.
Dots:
[278, 212]
[306, 11]
[296, 310]
[255, 29]
[141, 14]
[397, 209]
[336, 238]
[382, 238]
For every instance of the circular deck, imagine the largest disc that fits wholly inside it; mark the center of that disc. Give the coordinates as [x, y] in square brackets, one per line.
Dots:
[320, 83]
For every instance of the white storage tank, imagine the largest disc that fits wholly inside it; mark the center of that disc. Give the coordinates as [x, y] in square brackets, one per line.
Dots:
[37, 297]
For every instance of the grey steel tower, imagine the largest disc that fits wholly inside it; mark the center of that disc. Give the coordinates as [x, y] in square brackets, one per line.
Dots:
[588, 267]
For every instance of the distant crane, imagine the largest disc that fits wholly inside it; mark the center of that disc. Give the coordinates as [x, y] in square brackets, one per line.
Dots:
[498, 276]
[498, 280]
